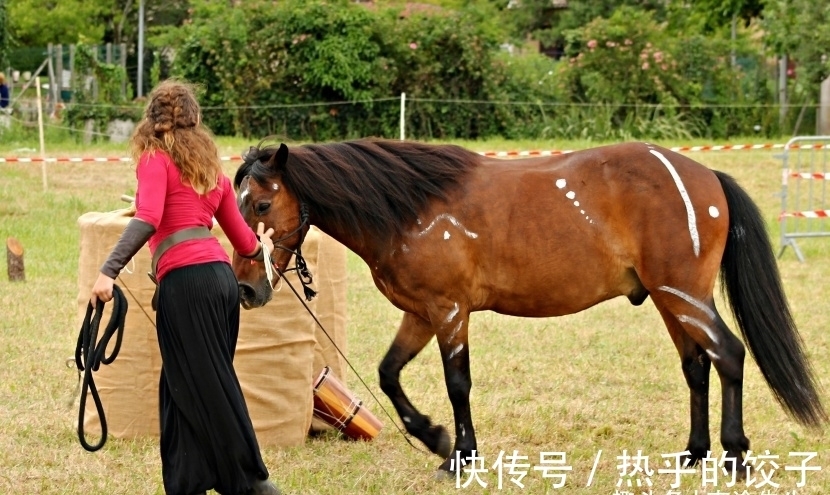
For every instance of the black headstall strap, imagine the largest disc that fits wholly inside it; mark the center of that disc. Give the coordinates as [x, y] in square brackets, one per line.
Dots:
[90, 353]
[300, 266]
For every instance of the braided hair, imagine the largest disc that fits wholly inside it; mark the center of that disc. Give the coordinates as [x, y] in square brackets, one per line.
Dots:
[173, 123]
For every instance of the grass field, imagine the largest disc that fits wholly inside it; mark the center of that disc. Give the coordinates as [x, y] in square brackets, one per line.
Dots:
[607, 379]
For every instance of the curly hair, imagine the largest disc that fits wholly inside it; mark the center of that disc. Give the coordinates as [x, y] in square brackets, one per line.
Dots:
[172, 122]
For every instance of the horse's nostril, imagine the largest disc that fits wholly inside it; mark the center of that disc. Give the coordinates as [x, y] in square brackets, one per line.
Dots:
[246, 291]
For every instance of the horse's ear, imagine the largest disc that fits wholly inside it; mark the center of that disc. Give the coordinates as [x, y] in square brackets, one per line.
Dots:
[281, 156]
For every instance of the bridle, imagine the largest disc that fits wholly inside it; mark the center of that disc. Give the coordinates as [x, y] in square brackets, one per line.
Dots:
[300, 266]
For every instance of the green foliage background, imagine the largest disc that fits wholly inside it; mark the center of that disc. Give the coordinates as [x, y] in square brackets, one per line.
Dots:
[333, 69]
[277, 62]
[5, 40]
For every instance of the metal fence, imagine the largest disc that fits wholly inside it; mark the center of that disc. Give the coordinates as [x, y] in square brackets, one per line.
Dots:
[54, 65]
[804, 195]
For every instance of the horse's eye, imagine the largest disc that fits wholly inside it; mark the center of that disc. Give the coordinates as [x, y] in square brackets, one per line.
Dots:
[262, 208]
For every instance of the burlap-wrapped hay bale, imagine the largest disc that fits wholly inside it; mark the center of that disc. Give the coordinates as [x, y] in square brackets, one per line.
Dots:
[129, 386]
[275, 358]
[326, 260]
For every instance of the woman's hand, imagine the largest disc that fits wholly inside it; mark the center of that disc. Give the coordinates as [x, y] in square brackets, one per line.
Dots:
[265, 236]
[102, 290]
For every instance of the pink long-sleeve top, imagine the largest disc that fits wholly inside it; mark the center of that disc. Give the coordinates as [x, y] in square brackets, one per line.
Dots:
[167, 203]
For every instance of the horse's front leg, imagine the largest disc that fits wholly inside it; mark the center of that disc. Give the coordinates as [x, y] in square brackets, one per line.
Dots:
[455, 354]
[413, 335]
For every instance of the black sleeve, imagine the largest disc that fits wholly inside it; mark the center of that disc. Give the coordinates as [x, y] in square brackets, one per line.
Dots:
[132, 239]
[258, 256]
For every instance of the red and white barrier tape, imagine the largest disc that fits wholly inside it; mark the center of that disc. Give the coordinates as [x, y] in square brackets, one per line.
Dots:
[806, 175]
[497, 154]
[805, 214]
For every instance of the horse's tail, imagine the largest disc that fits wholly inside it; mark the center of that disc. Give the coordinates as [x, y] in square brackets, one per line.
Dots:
[750, 278]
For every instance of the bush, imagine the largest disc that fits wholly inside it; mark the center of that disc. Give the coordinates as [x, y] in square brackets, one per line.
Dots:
[671, 86]
[276, 62]
[623, 78]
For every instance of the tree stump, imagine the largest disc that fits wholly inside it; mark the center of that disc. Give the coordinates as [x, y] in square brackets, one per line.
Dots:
[14, 259]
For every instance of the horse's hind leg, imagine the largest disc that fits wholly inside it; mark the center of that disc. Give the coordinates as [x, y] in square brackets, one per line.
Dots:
[413, 335]
[696, 365]
[702, 323]
[728, 358]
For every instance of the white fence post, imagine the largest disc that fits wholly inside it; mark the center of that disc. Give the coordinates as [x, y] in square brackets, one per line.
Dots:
[403, 116]
[40, 129]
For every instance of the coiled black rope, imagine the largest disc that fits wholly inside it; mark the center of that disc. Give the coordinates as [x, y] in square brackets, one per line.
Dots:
[90, 354]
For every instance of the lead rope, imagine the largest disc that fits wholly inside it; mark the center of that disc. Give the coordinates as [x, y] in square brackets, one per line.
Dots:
[90, 353]
[402, 432]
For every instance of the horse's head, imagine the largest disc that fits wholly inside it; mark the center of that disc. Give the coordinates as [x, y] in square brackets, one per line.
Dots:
[263, 197]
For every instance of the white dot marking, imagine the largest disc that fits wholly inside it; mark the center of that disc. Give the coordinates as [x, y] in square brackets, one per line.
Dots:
[713, 212]
[561, 183]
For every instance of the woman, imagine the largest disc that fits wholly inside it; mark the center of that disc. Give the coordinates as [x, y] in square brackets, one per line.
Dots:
[207, 440]
[4, 92]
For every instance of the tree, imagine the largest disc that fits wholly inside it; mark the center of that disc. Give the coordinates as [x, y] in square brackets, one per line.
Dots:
[801, 30]
[712, 16]
[40, 22]
[5, 40]
[548, 21]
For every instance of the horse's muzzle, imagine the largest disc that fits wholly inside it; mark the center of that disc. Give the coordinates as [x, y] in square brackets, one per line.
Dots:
[249, 297]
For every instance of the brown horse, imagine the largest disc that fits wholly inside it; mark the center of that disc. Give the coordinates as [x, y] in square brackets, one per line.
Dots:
[539, 237]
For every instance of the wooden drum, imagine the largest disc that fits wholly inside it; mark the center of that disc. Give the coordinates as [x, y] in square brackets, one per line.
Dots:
[337, 406]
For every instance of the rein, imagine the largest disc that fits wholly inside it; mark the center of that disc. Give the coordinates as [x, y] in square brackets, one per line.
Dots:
[333, 343]
[304, 274]
[300, 266]
[90, 353]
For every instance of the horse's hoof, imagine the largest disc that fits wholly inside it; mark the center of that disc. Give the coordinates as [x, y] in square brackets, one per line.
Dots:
[444, 446]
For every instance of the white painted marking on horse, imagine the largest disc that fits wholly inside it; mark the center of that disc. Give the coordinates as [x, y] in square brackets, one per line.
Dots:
[713, 212]
[561, 183]
[275, 187]
[712, 355]
[582, 212]
[404, 248]
[455, 332]
[453, 312]
[446, 235]
[463, 431]
[690, 211]
[699, 324]
[244, 194]
[570, 195]
[455, 351]
[452, 220]
[576, 203]
[689, 299]
[407, 419]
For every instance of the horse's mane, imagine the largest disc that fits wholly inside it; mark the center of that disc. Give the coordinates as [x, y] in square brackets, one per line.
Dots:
[372, 186]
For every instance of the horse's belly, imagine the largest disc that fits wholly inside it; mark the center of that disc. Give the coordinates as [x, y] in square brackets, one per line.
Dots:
[565, 290]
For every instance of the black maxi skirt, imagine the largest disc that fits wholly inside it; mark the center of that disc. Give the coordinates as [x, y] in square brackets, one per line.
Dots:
[207, 439]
